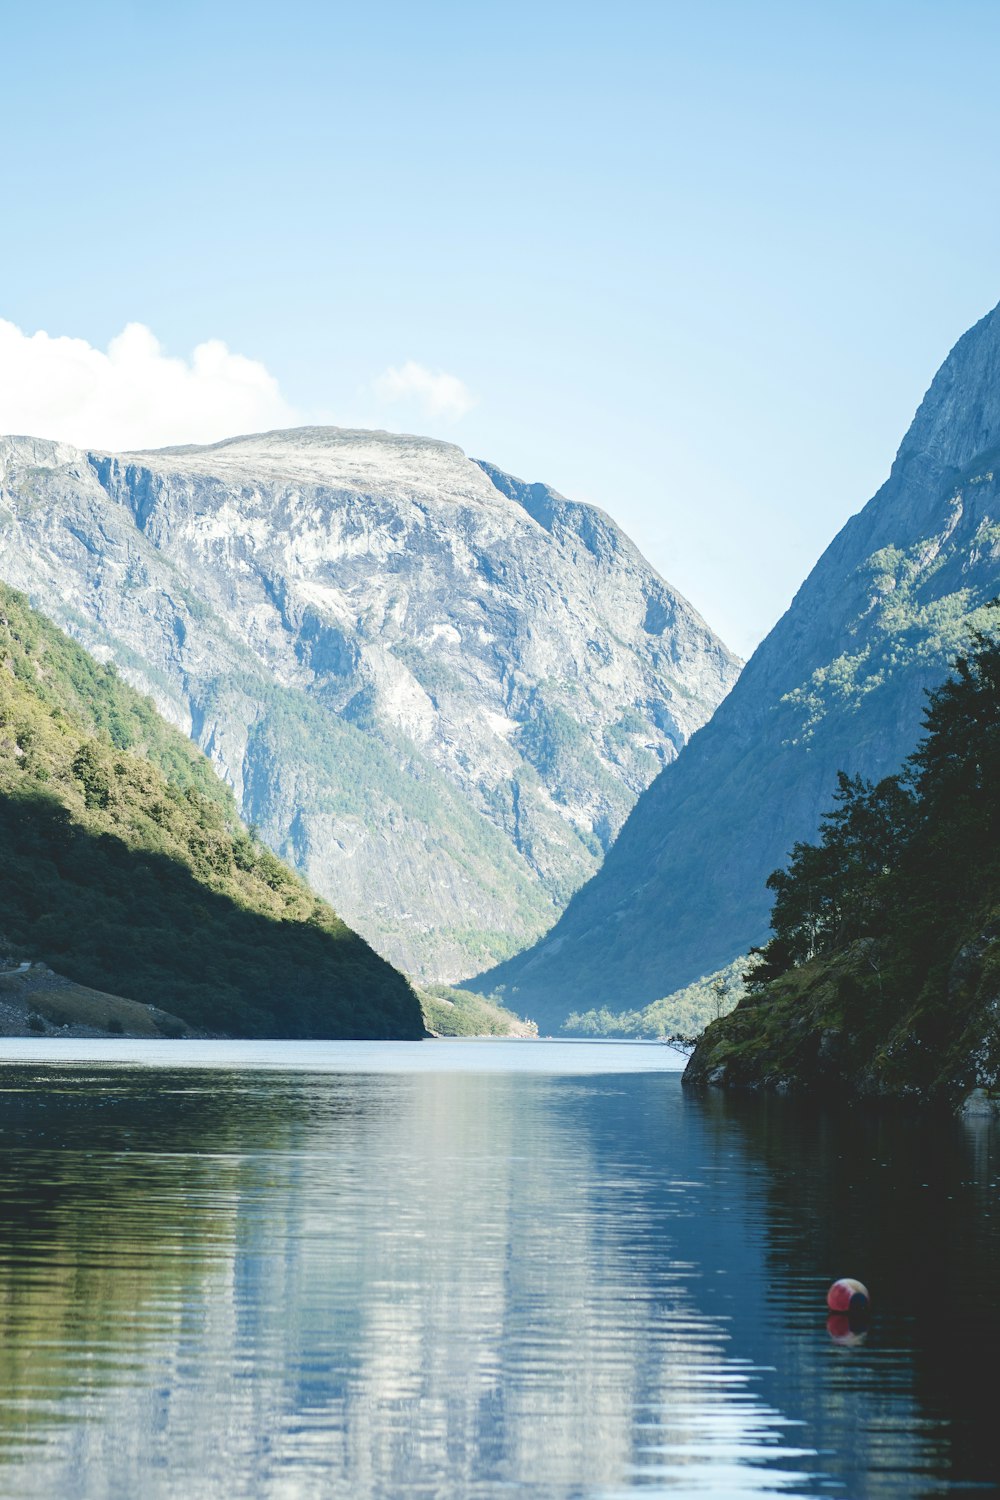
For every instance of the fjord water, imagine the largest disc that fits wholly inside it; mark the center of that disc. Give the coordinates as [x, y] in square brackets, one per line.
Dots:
[474, 1269]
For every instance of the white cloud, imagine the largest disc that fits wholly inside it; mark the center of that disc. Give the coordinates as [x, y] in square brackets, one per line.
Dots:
[435, 393]
[134, 395]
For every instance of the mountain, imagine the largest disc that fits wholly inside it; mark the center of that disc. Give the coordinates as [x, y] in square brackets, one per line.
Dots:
[837, 685]
[126, 868]
[435, 690]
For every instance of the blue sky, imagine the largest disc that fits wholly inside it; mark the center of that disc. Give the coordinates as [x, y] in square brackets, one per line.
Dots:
[694, 263]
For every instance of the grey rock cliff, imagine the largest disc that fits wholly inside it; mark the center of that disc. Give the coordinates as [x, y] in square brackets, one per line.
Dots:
[437, 690]
[838, 684]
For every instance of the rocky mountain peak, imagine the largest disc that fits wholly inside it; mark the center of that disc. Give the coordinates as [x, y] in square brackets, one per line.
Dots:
[959, 417]
[340, 458]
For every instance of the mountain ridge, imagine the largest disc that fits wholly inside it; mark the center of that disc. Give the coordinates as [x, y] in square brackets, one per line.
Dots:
[837, 684]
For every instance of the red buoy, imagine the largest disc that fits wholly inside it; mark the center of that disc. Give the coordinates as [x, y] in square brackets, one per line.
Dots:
[848, 1295]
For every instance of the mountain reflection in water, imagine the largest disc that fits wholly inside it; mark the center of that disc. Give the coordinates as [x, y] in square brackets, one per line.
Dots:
[539, 1282]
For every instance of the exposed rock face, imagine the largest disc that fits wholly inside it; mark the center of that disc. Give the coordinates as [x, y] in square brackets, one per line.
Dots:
[838, 684]
[438, 691]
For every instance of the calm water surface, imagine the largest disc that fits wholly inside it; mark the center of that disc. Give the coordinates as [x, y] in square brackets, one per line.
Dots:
[477, 1270]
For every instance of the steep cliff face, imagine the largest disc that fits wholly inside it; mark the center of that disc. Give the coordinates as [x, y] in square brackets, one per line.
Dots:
[838, 684]
[436, 690]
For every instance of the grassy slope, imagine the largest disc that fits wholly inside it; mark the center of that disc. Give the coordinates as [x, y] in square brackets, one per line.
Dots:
[36, 1001]
[126, 867]
[453, 1012]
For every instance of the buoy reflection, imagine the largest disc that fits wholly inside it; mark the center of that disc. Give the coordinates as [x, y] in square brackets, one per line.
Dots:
[849, 1329]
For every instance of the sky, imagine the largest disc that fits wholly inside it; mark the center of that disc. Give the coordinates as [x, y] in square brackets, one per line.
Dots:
[694, 263]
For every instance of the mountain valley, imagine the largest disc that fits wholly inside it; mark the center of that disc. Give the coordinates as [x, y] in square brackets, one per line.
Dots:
[436, 691]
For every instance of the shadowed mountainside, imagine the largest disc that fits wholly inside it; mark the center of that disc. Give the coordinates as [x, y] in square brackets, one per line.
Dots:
[125, 866]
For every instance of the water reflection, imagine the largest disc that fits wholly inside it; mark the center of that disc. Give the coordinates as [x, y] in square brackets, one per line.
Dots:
[245, 1284]
[848, 1329]
[910, 1203]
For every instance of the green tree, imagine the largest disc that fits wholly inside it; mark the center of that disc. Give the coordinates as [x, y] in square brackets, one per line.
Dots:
[914, 848]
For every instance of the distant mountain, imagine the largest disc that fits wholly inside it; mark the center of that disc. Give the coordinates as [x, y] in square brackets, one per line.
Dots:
[838, 684]
[435, 690]
[124, 866]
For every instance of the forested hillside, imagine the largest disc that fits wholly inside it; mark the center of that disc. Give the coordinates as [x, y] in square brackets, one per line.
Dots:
[126, 868]
[882, 974]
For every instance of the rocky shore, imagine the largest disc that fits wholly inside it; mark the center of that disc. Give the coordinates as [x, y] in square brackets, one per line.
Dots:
[35, 1001]
[830, 1028]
